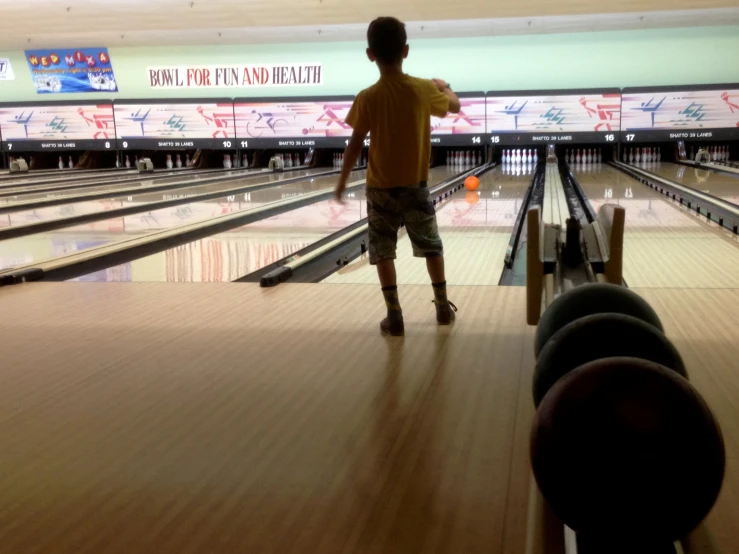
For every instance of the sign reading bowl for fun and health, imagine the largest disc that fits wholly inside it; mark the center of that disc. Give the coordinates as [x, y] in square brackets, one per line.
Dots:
[69, 70]
[235, 76]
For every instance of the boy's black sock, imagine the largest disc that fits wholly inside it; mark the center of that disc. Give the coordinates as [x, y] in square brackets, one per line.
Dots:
[440, 298]
[394, 312]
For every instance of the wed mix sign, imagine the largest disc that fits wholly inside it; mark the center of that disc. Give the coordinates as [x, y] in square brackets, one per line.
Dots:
[68, 70]
[235, 76]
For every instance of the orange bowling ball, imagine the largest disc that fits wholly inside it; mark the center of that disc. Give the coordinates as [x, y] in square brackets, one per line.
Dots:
[472, 198]
[472, 183]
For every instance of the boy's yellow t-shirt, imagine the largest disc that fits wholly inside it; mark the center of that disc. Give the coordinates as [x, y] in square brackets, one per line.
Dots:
[396, 112]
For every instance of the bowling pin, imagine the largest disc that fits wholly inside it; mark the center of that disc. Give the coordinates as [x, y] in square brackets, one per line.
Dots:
[61, 163]
[127, 162]
[179, 161]
[117, 162]
[289, 161]
[536, 156]
[467, 160]
[170, 165]
[71, 163]
[578, 157]
[636, 157]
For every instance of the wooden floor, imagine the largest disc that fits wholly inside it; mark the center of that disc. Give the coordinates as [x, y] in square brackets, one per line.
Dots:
[225, 418]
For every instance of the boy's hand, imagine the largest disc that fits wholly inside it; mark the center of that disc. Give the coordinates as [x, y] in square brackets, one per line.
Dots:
[339, 191]
[441, 84]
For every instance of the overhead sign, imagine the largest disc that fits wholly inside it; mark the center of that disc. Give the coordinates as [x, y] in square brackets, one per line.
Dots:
[292, 122]
[235, 76]
[170, 124]
[57, 127]
[554, 117]
[680, 113]
[6, 71]
[466, 128]
[71, 70]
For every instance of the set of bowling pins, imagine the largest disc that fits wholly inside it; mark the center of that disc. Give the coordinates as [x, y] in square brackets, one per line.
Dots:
[518, 156]
[70, 163]
[642, 155]
[339, 161]
[289, 160]
[462, 159]
[718, 153]
[584, 156]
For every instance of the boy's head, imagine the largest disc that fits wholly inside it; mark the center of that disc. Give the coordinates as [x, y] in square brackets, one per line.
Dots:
[387, 41]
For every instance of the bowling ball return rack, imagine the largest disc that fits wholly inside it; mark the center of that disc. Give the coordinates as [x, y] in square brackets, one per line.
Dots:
[555, 250]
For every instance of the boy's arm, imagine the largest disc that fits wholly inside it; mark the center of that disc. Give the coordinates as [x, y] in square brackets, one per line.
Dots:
[443, 86]
[351, 155]
[358, 119]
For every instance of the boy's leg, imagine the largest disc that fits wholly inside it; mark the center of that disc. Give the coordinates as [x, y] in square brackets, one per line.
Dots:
[384, 223]
[420, 221]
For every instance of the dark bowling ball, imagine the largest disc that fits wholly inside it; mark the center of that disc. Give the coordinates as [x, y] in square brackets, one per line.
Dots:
[626, 447]
[601, 336]
[594, 298]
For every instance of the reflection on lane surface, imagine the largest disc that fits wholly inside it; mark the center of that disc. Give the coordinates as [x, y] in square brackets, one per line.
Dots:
[139, 181]
[231, 255]
[58, 175]
[96, 206]
[716, 183]
[475, 227]
[664, 245]
[41, 246]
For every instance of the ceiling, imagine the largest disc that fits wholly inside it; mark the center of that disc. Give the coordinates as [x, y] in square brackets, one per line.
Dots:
[72, 23]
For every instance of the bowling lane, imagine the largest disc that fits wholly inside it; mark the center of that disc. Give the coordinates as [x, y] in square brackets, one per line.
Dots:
[475, 227]
[102, 205]
[717, 183]
[665, 246]
[42, 246]
[11, 195]
[233, 254]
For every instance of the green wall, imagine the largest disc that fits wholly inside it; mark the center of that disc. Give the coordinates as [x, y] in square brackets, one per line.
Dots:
[606, 59]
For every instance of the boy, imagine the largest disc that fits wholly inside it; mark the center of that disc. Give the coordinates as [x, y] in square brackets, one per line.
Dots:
[396, 113]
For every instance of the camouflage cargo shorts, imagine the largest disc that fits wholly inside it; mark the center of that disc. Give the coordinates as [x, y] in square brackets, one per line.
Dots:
[390, 209]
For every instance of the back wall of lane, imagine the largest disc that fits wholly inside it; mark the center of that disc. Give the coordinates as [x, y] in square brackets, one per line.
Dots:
[604, 59]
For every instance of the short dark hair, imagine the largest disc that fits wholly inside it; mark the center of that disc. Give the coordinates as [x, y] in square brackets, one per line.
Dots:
[387, 38]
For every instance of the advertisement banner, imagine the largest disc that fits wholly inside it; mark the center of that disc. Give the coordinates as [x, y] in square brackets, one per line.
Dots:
[235, 76]
[689, 109]
[196, 124]
[6, 71]
[66, 70]
[592, 117]
[55, 127]
[689, 114]
[292, 123]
